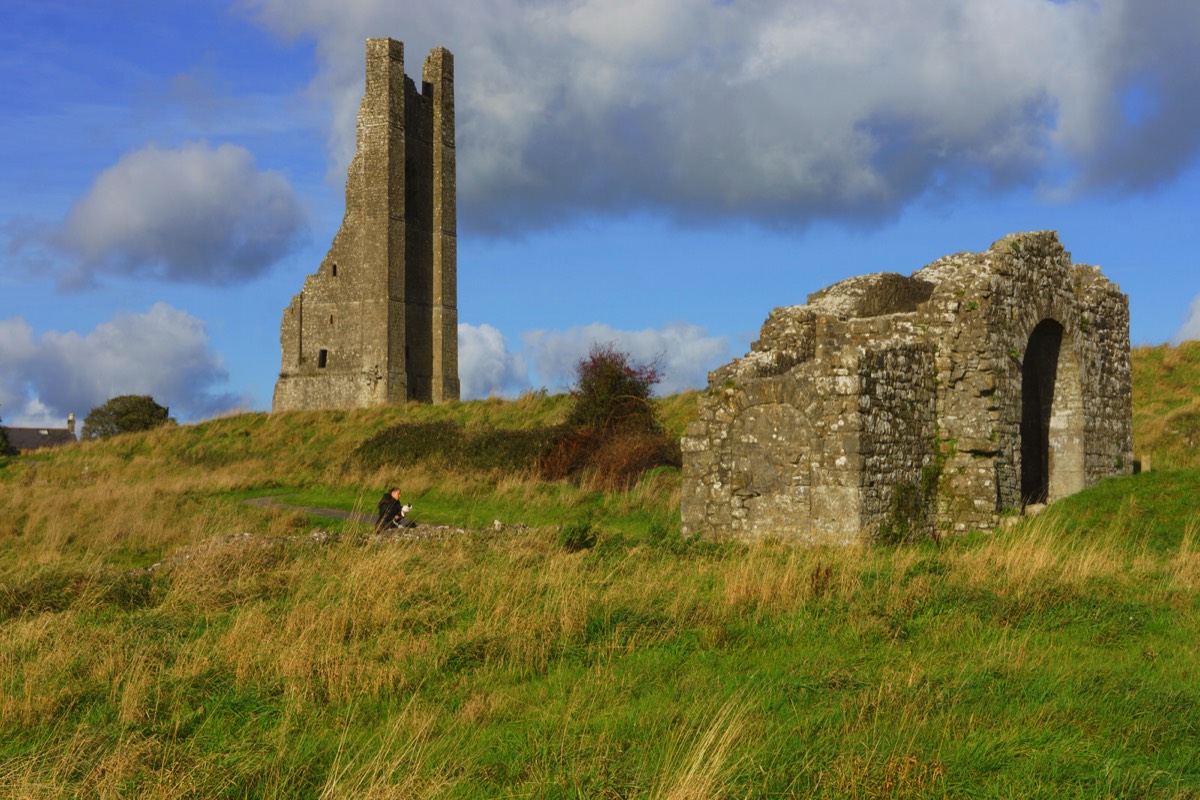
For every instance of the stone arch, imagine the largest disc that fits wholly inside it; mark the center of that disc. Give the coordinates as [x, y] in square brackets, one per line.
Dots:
[1052, 420]
[770, 470]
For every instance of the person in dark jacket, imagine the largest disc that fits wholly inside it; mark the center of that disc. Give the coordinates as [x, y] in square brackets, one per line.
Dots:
[392, 511]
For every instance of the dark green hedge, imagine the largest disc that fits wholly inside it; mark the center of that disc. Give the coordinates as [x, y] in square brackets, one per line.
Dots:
[449, 443]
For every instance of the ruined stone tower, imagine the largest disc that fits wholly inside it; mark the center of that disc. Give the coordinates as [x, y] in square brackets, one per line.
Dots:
[930, 403]
[378, 322]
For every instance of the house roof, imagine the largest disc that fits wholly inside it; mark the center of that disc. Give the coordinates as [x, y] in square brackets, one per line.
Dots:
[35, 438]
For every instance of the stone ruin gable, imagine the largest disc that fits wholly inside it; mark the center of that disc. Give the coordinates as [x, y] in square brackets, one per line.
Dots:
[891, 400]
[378, 322]
[1034, 386]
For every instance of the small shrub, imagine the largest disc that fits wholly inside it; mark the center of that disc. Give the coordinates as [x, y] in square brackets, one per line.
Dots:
[571, 454]
[410, 443]
[620, 460]
[612, 434]
[509, 450]
[612, 393]
[576, 536]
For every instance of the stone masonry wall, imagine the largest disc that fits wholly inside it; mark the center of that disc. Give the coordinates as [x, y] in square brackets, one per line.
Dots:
[897, 405]
[982, 315]
[377, 323]
[982, 382]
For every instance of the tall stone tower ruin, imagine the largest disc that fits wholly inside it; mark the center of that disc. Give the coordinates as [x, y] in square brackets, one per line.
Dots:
[378, 322]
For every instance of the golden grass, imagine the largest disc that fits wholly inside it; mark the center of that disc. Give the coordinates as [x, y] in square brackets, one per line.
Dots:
[1183, 571]
[1042, 553]
[346, 626]
[362, 624]
[696, 765]
[1166, 411]
[391, 766]
[776, 577]
[1173, 438]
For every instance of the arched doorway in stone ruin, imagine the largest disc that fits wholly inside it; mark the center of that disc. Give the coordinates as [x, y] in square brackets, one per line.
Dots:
[769, 479]
[1052, 438]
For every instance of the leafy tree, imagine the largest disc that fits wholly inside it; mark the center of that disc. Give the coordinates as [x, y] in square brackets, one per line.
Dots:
[612, 393]
[124, 414]
[4, 446]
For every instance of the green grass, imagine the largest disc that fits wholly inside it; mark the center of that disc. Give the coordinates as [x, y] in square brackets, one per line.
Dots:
[1154, 509]
[492, 666]
[1054, 659]
[1166, 405]
[481, 504]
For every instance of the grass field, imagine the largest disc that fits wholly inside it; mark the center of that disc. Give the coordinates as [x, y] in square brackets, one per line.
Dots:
[1058, 658]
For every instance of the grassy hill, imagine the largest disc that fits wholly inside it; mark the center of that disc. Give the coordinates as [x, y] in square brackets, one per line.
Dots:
[1166, 404]
[1057, 658]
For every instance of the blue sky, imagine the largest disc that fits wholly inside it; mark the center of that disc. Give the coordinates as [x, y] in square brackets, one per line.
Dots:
[658, 174]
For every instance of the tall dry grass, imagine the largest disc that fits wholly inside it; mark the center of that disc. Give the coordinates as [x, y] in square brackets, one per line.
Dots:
[391, 768]
[697, 765]
[1047, 553]
[501, 665]
[1166, 415]
[415, 648]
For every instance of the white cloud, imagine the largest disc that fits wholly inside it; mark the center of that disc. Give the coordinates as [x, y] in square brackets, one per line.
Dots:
[684, 352]
[195, 214]
[485, 367]
[1190, 329]
[778, 111]
[163, 353]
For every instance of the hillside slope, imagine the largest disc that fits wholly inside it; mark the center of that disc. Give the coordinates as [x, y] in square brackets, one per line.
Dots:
[1054, 659]
[1166, 405]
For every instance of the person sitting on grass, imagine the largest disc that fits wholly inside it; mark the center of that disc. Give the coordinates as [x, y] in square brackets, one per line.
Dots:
[392, 513]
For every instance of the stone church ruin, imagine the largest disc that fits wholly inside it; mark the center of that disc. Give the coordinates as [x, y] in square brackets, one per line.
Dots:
[378, 322]
[899, 406]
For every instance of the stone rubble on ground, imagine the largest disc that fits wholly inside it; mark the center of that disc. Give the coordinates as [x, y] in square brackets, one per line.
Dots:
[320, 536]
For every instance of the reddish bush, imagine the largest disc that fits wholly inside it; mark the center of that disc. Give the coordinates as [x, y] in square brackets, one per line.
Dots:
[621, 459]
[613, 394]
[612, 434]
[571, 454]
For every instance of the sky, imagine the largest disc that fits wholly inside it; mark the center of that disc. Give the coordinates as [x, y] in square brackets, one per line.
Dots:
[653, 174]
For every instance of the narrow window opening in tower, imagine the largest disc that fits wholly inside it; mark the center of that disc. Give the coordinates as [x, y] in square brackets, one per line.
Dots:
[331, 319]
[322, 359]
[335, 270]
